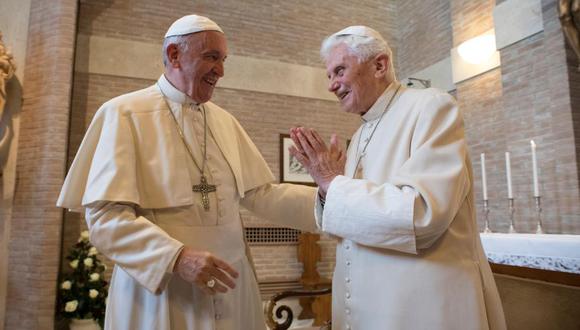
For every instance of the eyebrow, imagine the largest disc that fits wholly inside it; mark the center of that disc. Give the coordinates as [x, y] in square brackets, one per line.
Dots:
[215, 52]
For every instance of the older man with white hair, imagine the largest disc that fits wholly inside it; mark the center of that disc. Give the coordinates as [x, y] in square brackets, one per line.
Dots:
[161, 175]
[409, 254]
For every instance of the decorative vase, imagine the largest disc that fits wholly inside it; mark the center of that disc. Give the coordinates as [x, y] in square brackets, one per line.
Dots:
[84, 324]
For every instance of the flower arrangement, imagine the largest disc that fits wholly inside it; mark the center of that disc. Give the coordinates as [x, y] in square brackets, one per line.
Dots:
[83, 292]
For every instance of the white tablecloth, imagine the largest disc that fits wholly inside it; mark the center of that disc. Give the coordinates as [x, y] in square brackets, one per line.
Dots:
[543, 251]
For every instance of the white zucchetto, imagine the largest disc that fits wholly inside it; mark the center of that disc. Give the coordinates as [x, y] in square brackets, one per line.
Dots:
[359, 30]
[192, 24]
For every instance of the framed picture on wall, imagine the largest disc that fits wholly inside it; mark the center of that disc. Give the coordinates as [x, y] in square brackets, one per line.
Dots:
[291, 171]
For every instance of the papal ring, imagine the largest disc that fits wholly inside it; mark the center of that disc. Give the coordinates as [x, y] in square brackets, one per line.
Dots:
[210, 284]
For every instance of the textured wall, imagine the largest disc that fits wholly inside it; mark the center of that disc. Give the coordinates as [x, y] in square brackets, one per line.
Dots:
[532, 95]
[424, 34]
[527, 97]
[35, 236]
[287, 31]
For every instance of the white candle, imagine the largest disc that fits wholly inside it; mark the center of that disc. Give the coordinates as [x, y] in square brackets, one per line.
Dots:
[508, 173]
[535, 169]
[483, 177]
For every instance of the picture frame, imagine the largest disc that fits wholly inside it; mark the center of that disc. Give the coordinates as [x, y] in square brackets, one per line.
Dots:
[291, 171]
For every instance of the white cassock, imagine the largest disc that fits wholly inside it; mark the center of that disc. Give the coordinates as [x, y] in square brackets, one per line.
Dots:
[409, 254]
[134, 177]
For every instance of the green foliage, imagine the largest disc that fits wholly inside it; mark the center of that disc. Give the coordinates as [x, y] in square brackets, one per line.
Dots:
[83, 292]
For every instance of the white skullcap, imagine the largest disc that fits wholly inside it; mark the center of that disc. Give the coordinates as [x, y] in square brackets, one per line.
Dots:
[359, 30]
[191, 24]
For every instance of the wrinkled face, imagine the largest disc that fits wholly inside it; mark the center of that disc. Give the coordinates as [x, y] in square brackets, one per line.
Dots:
[202, 64]
[353, 83]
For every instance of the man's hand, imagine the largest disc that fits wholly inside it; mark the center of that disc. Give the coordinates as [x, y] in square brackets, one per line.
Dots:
[322, 162]
[199, 267]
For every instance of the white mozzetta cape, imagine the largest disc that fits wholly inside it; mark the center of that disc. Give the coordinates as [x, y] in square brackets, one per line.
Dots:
[133, 153]
[409, 254]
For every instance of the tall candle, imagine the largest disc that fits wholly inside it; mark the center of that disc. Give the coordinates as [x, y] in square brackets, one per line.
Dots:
[483, 177]
[535, 169]
[508, 172]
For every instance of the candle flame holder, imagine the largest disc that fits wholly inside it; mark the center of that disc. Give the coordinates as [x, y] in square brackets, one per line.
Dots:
[512, 229]
[486, 230]
[539, 229]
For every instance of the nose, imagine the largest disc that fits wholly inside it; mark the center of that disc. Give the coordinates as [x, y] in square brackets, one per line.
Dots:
[333, 85]
[219, 68]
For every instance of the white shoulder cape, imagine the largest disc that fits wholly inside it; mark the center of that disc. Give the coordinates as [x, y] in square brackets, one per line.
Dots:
[132, 153]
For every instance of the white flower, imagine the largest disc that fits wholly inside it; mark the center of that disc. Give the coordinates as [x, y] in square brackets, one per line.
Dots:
[88, 262]
[85, 235]
[66, 285]
[74, 264]
[71, 306]
[92, 251]
[95, 277]
[93, 293]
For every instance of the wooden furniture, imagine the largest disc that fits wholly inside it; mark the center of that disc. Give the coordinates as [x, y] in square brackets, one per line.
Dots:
[315, 298]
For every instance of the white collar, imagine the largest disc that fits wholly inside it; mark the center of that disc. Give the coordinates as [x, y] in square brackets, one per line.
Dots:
[172, 93]
[377, 109]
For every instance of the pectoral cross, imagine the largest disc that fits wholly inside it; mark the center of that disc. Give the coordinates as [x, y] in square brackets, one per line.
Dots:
[204, 188]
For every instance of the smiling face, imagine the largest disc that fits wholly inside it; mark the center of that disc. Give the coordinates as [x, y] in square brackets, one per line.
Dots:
[196, 70]
[357, 85]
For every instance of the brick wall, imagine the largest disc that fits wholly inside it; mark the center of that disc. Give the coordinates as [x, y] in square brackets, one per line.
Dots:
[527, 97]
[286, 31]
[35, 236]
[530, 96]
[424, 34]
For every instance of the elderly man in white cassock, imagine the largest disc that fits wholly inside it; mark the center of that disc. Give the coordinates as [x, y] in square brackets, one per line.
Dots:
[409, 254]
[161, 175]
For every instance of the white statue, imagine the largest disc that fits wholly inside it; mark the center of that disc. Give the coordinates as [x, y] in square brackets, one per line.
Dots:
[7, 68]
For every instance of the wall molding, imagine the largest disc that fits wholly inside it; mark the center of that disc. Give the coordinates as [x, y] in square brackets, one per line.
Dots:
[134, 59]
[516, 20]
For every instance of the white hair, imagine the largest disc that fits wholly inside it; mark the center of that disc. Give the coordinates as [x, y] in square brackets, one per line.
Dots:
[181, 42]
[363, 47]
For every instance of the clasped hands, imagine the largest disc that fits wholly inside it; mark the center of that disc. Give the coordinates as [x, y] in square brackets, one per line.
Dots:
[202, 268]
[322, 163]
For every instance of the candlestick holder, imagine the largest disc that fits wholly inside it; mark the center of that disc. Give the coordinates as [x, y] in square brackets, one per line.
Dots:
[539, 229]
[512, 229]
[486, 230]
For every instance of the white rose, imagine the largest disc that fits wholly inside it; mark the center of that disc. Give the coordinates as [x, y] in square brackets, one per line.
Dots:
[85, 235]
[93, 293]
[74, 264]
[66, 285]
[88, 262]
[71, 306]
[95, 277]
[92, 251]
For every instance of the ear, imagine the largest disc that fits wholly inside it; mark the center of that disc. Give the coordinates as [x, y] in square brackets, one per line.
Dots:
[381, 65]
[173, 55]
